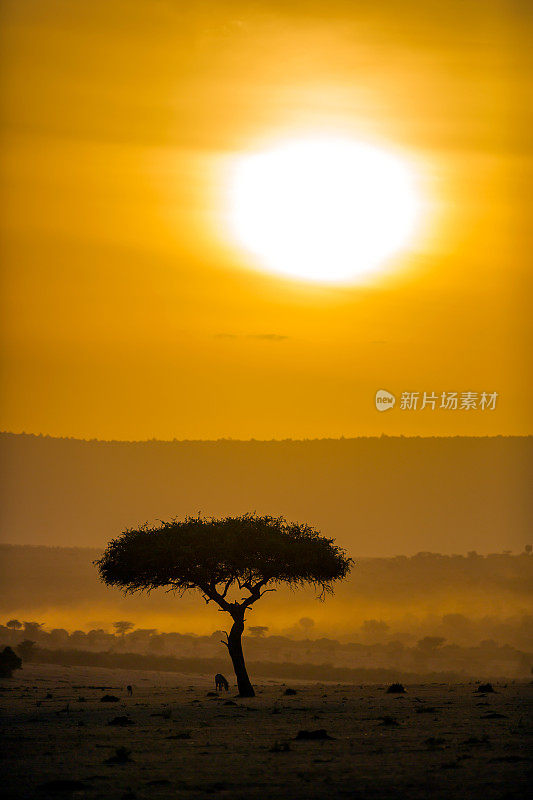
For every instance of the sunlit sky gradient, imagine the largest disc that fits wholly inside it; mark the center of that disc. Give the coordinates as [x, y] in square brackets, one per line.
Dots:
[128, 312]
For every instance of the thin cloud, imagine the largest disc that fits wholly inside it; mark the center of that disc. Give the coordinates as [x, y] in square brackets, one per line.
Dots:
[269, 337]
[266, 337]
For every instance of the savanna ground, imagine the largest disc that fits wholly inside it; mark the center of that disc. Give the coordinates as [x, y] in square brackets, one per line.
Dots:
[434, 741]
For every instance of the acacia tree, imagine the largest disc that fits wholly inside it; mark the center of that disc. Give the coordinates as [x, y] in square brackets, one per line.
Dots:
[222, 559]
[123, 626]
[15, 625]
[258, 630]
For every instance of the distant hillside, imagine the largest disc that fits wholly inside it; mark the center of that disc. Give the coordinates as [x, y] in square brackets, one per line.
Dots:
[377, 496]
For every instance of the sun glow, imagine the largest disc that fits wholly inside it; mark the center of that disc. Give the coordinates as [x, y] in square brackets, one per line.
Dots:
[326, 210]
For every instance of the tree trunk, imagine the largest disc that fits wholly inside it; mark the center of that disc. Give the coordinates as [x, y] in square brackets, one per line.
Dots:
[237, 656]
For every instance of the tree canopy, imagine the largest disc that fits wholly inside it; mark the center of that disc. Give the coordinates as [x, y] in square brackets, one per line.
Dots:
[214, 555]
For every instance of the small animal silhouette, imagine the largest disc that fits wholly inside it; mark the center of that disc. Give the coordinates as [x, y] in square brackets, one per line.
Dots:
[221, 682]
[129, 689]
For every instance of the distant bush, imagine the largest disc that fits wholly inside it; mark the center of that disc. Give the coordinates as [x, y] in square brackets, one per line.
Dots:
[9, 662]
[485, 688]
[396, 688]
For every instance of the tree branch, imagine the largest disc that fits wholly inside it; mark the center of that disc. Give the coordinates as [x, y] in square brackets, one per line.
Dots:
[255, 592]
[226, 586]
[210, 591]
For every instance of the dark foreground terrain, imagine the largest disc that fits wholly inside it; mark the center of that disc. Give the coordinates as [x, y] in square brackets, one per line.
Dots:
[173, 739]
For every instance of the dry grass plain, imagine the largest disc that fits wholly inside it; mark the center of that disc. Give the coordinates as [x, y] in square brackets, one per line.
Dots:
[434, 741]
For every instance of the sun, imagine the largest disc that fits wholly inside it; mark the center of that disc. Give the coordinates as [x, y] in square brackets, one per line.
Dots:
[323, 209]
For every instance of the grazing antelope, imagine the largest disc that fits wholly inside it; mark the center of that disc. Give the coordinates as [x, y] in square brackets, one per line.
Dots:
[221, 682]
[129, 689]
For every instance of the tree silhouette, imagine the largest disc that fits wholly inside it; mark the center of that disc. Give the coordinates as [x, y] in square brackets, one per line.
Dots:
[307, 624]
[14, 625]
[33, 628]
[429, 644]
[222, 558]
[9, 661]
[123, 626]
[258, 630]
[26, 649]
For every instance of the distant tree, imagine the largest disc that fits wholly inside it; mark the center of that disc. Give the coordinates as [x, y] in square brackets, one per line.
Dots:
[14, 625]
[33, 628]
[307, 624]
[217, 557]
[9, 661]
[26, 649]
[99, 639]
[488, 644]
[141, 637]
[258, 630]
[78, 638]
[123, 626]
[58, 637]
[430, 643]
[144, 633]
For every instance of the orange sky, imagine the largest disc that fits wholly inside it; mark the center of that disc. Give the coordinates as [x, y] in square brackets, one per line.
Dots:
[126, 311]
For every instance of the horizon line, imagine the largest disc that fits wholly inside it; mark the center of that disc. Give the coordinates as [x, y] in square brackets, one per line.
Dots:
[228, 439]
[469, 554]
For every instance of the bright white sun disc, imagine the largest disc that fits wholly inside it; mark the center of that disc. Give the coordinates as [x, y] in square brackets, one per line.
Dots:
[323, 209]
